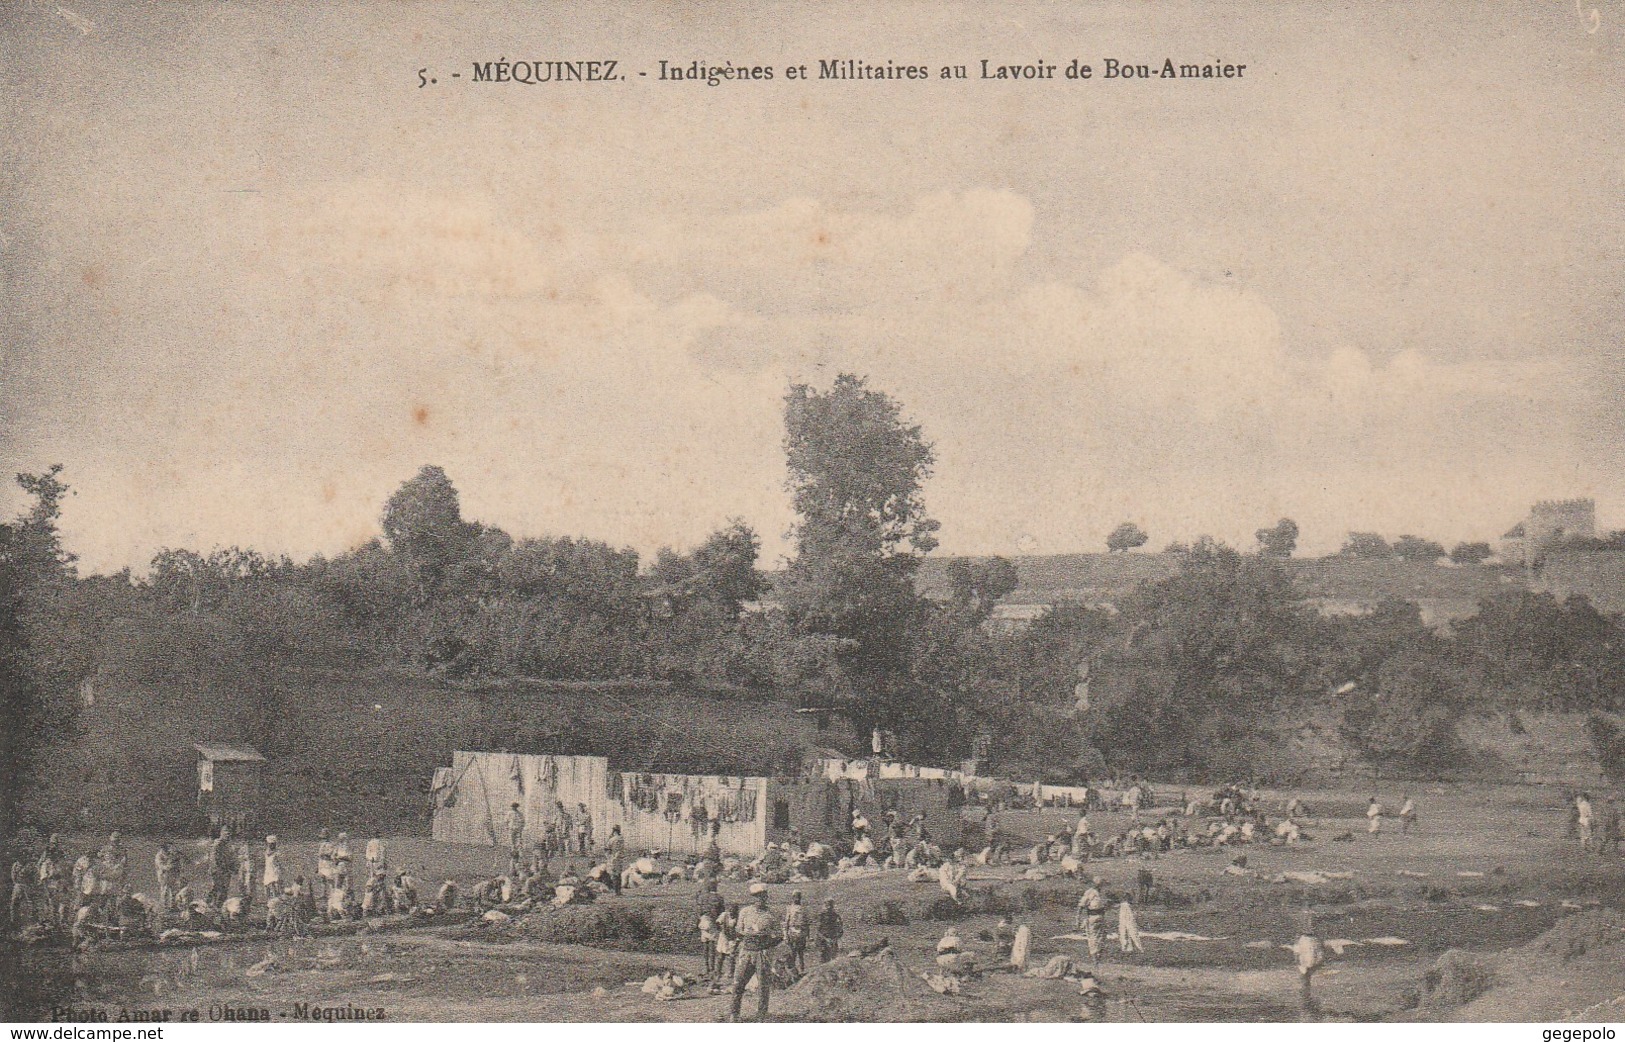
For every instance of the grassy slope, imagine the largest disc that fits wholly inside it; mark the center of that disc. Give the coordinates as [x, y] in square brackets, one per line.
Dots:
[1111, 576]
[361, 746]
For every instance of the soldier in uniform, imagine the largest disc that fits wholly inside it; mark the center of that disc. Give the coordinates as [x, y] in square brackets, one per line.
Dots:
[759, 933]
[796, 926]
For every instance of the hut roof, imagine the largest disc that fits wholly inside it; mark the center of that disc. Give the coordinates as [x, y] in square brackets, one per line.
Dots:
[220, 753]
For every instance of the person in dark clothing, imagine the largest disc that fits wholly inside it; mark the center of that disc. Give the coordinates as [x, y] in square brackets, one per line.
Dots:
[830, 928]
[222, 867]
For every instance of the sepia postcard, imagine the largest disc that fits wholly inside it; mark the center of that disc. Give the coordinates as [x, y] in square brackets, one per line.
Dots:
[689, 512]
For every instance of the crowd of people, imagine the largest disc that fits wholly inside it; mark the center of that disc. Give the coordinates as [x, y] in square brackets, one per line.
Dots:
[225, 881]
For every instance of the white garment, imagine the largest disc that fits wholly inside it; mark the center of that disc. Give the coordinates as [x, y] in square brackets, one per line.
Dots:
[1128, 929]
[1021, 947]
[1310, 952]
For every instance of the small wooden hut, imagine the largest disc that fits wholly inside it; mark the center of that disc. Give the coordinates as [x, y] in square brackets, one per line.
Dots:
[228, 786]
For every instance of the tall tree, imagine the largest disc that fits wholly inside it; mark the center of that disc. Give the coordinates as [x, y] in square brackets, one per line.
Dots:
[35, 544]
[857, 469]
[423, 522]
[37, 682]
[725, 567]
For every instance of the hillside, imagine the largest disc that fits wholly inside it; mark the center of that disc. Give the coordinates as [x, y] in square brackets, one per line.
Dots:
[357, 749]
[1056, 577]
[1335, 585]
[1597, 575]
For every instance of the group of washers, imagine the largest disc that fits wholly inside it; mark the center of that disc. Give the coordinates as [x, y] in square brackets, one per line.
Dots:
[1374, 812]
[1012, 946]
[90, 893]
[740, 941]
[95, 895]
[293, 902]
[563, 833]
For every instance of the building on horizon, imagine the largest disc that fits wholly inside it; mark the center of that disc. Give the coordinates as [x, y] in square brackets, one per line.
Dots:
[1549, 521]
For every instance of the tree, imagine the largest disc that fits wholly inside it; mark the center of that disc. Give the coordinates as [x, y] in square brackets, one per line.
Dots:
[35, 545]
[1366, 546]
[1541, 653]
[1278, 541]
[856, 473]
[1409, 719]
[975, 585]
[1355, 647]
[1027, 694]
[36, 679]
[186, 580]
[423, 522]
[1126, 536]
[1417, 550]
[725, 567]
[1471, 553]
[1212, 666]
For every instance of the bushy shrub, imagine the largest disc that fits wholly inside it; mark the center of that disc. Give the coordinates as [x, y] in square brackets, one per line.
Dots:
[1456, 979]
[1608, 742]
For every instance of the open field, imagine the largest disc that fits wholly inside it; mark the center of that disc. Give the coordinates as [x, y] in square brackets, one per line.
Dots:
[1490, 871]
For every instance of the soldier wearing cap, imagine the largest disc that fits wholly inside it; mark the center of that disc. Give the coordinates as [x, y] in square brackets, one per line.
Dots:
[759, 933]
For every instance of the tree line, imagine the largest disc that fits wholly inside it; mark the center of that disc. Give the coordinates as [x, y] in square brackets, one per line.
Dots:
[1210, 673]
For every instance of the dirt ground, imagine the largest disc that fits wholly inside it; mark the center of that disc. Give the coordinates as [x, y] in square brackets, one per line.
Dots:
[1489, 872]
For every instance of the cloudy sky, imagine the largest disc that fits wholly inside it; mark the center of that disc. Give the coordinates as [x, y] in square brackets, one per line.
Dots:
[256, 276]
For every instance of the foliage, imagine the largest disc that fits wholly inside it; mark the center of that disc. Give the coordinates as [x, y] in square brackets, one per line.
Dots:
[1408, 719]
[1471, 553]
[1278, 541]
[1027, 701]
[39, 671]
[1366, 546]
[423, 523]
[1126, 536]
[976, 585]
[1542, 653]
[1416, 549]
[1213, 663]
[857, 469]
[1608, 743]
